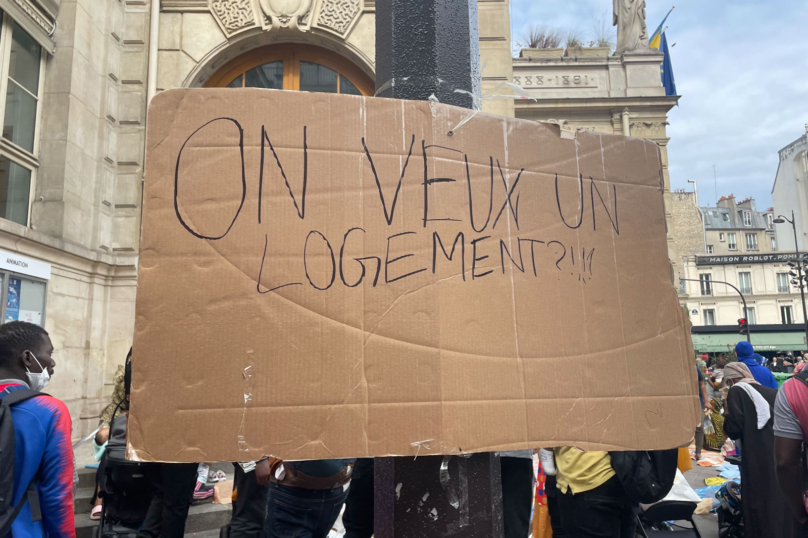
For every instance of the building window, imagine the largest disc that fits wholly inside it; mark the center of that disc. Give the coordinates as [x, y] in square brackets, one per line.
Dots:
[745, 281]
[785, 315]
[782, 283]
[21, 64]
[774, 244]
[721, 237]
[751, 242]
[750, 315]
[709, 317]
[294, 67]
[747, 218]
[706, 283]
[726, 217]
[731, 244]
[709, 249]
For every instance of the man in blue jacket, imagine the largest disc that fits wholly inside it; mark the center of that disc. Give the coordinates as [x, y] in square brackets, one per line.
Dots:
[746, 354]
[42, 450]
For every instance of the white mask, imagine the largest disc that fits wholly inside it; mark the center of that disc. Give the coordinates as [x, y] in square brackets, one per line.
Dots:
[38, 381]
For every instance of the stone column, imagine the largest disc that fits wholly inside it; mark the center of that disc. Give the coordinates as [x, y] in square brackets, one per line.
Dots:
[425, 48]
[626, 127]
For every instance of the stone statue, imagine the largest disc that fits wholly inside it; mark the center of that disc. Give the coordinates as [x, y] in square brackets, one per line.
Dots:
[629, 17]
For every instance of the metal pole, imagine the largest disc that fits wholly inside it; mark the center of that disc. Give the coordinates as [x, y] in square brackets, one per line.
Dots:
[743, 299]
[800, 274]
[430, 49]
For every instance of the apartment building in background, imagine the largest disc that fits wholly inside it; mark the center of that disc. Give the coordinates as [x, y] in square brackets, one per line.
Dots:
[738, 228]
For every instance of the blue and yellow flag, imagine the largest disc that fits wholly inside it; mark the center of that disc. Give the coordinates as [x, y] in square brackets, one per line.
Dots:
[656, 37]
[667, 69]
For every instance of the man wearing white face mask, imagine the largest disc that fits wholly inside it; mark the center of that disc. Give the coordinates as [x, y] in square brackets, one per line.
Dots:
[41, 501]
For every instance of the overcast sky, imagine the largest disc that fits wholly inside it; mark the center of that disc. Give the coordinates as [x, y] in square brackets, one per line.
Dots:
[741, 68]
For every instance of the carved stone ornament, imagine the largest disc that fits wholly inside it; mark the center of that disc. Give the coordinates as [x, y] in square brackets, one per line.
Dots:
[338, 15]
[287, 13]
[36, 16]
[233, 15]
[643, 129]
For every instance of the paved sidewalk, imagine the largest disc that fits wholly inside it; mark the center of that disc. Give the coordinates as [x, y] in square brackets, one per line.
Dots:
[707, 525]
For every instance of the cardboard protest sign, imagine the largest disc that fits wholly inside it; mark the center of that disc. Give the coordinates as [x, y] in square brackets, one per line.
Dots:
[327, 276]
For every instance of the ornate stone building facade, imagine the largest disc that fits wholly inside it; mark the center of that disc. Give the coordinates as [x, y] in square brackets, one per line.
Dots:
[789, 192]
[587, 89]
[72, 150]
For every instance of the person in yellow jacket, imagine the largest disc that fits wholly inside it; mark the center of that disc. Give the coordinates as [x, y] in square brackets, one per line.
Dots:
[592, 501]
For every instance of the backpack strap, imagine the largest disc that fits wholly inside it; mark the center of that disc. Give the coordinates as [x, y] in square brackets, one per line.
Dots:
[33, 500]
[802, 376]
[12, 398]
[20, 395]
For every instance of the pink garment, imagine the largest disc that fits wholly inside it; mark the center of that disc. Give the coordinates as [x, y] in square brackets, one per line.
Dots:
[797, 395]
[799, 367]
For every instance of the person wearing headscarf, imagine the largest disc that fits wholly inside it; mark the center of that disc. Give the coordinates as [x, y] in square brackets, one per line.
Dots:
[746, 354]
[748, 420]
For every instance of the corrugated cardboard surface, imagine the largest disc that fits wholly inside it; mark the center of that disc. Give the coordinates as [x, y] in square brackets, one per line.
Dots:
[323, 319]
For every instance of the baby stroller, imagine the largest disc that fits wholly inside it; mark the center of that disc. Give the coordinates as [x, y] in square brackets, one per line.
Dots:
[659, 520]
[730, 515]
[729, 512]
[127, 489]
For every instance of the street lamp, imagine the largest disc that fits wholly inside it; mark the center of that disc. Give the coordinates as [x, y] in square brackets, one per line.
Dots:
[743, 299]
[801, 276]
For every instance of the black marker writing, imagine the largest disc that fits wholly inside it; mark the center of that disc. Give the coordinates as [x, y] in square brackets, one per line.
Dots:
[388, 216]
[503, 251]
[508, 194]
[592, 190]
[261, 272]
[430, 181]
[562, 254]
[243, 180]
[301, 210]
[388, 261]
[490, 196]
[436, 241]
[475, 259]
[558, 201]
[333, 262]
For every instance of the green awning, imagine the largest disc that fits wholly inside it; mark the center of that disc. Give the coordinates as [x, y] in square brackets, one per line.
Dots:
[768, 341]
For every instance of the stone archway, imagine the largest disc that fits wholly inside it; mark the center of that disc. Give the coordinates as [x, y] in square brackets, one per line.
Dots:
[340, 26]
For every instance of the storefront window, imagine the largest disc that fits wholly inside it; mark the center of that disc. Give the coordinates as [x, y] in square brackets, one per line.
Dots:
[24, 299]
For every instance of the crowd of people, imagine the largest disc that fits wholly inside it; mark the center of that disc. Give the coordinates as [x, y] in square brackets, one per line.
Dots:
[281, 499]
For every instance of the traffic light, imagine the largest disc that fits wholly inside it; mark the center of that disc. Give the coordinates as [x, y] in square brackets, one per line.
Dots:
[743, 326]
